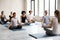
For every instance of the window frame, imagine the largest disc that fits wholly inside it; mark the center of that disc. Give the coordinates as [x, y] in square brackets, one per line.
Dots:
[44, 6]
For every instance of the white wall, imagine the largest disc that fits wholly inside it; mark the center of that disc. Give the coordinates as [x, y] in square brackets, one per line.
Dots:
[12, 5]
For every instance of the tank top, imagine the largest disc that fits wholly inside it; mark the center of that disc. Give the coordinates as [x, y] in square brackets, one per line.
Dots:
[2, 18]
[56, 28]
[23, 19]
[10, 17]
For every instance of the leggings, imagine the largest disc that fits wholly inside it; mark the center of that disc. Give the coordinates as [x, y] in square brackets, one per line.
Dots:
[15, 27]
[3, 22]
[49, 32]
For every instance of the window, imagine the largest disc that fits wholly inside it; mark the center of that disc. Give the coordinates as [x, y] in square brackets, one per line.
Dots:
[56, 1]
[41, 7]
[52, 7]
[33, 6]
[38, 7]
[47, 5]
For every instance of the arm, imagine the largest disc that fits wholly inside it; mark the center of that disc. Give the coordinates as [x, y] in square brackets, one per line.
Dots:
[28, 19]
[18, 22]
[10, 24]
[34, 18]
[51, 23]
[9, 17]
[20, 18]
[5, 16]
[0, 16]
[48, 26]
[43, 19]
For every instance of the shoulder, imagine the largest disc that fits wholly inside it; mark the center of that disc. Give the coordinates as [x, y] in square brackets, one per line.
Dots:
[55, 20]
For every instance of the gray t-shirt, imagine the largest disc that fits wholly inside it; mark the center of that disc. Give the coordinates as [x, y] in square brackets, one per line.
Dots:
[46, 19]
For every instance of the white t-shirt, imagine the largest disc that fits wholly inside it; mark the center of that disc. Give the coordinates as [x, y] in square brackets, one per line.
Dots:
[30, 16]
[14, 21]
[56, 26]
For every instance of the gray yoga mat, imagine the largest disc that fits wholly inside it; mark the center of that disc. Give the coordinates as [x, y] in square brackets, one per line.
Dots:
[37, 36]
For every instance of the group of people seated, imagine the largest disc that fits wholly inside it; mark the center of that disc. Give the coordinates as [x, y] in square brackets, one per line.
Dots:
[14, 22]
[52, 26]
[46, 21]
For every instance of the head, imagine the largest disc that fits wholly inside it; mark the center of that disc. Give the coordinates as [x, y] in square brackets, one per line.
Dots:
[30, 11]
[2, 12]
[57, 15]
[14, 14]
[45, 12]
[23, 13]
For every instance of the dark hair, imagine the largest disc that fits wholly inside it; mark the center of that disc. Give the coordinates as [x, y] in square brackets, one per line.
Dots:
[30, 11]
[23, 12]
[2, 12]
[57, 13]
[14, 13]
[45, 12]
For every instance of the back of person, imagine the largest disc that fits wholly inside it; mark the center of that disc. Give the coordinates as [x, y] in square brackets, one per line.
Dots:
[56, 28]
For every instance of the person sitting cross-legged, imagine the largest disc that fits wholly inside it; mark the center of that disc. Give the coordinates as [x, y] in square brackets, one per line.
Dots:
[14, 24]
[30, 17]
[54, 25]
[10, 16]
[3, 18]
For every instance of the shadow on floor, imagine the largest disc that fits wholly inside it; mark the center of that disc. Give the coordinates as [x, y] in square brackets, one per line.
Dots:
[19, 29]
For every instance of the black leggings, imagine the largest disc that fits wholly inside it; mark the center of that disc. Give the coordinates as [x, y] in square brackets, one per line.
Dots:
[4, 22]
[49, 32]
[15, 27]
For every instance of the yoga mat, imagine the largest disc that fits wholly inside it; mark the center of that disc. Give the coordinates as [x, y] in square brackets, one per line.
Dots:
[37, 36]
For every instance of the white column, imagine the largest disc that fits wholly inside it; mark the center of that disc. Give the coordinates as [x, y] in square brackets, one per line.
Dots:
[27, 5]
[58, 4]
[36, 8]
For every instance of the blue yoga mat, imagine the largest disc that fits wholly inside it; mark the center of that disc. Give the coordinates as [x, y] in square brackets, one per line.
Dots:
[37, 36]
